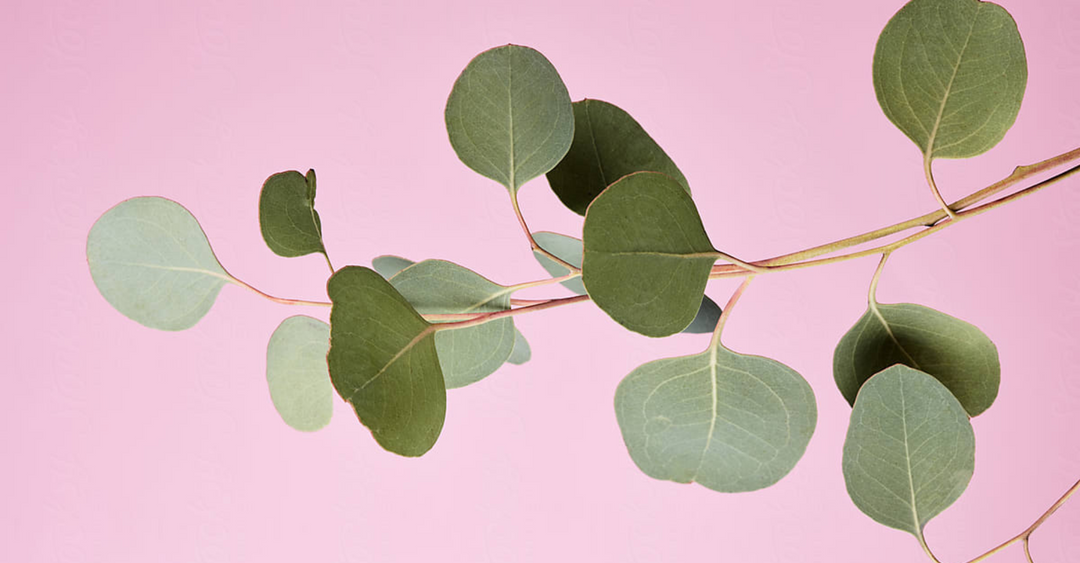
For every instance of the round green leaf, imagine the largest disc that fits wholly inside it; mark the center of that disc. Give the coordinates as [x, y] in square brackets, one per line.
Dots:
[910, 449]
[150, 259]
[569, 249]
[951, 74]
[290, 225]
[954, 352]
[297, 374]
[608, 144]
[466, 355]
[383, 362]
[509, 115]
[647, 257]
[728, 421]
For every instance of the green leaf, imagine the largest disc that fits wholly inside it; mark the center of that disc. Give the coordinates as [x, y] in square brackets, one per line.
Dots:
[150, 259]
[608, 144]
[522, 353]
[910, 449]
[437, 287]
[954, 352]
[297, 374]
[387, 266]
[951, 74]
[509, 116]
[647, 257]
[383, 362]
[728, 421]
[569, 249]
[290, 225]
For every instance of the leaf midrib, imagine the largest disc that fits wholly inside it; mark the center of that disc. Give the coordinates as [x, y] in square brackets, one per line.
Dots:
[907, 460]
[948, 87]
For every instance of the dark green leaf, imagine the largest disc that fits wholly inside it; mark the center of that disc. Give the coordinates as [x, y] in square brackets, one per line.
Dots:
[150, 259]
[958, 354]
[647, 257]
[297, 374]
[608, 144]
[707, 316]
[383, 362]
[569, 249]
[728, 421]
[509, 116]
[290, 224]
[951, 74]
[910, 449]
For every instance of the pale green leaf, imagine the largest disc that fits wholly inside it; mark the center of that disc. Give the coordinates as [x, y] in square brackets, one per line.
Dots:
[951, 75]
[297, 374]
[608, 144]
[467, 355]
[150, 259]
[387, 266]
[522, 353]
[728, 421]
[383, 362]
[509, 115]
[290, 225]
[568, 249]
[647, 257]
[910, 449]
[956, 353]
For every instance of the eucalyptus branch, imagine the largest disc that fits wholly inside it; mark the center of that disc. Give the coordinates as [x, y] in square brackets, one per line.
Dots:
[904, 368]
[280, 300]
[1026, 534]
[1019, 174]
[784, 263]
[467, 320]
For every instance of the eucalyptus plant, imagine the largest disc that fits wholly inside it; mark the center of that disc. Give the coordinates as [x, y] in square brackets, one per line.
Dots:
[950, 74]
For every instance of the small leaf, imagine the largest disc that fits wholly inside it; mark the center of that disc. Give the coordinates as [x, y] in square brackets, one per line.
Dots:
[608, 144]
[290, 225]
[728, 421]
[910, 449]
[647, 257]
[951, 75]
[150, 259]
[383, 362]
[387, 266]
[707, 317]
[569, 249]
[509, 115]
[467, 355]
[297, 374]
[522, 353]
[954, 352]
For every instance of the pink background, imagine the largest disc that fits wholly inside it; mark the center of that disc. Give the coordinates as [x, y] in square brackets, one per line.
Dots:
[121, 443]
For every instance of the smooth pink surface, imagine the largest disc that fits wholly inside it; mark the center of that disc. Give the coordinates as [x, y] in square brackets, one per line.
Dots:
[121, 443]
